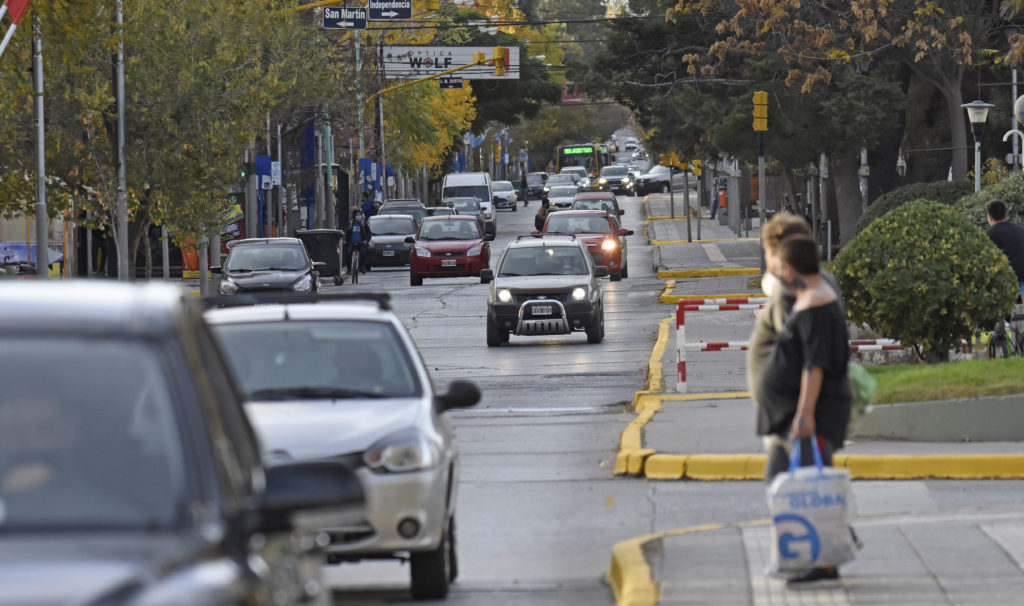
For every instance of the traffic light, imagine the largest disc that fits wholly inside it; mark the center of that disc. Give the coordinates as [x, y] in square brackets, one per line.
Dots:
[247, 169]
[760, 111]
[479, 57]
[695, 167]
[664, 160]
[500, 54]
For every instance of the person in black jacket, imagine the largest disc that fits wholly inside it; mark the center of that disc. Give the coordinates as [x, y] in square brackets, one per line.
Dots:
[1008, 236]
[542, 213]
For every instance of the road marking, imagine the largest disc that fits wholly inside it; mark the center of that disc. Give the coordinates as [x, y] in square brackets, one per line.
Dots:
[714, 253]
[540, 410]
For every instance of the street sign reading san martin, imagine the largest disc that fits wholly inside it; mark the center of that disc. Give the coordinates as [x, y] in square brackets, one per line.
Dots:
[343, 17]
[386, 10]
[408, 62]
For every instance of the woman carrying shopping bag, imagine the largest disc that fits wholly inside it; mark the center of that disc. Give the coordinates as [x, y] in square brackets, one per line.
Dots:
[804, 387]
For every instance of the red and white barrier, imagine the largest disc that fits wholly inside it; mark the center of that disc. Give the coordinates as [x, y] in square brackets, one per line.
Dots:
[723, 300]
[734, 305]
[685, 306]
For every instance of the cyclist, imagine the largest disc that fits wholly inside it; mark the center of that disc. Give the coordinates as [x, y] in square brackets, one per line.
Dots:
[356, 235]
[1008, 236]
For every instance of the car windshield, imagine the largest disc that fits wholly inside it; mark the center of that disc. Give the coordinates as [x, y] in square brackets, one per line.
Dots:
[534, 180]
[391, 226]
[502, 186]
[465, 205]
[88, 436]
[264, 257]
[565, 223]
[562, 192]
[556, 179]
[450, 230]
[417, 213]
[543, 261]
[655, 170]
[594, 204]
[480, 192]
[339, 359]
[613, 171]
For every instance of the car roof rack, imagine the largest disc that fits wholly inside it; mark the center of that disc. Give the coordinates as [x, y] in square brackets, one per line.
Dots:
[542, 236]
[383, 300]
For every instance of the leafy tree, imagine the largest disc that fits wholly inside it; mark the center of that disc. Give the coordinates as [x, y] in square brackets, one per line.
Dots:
[907, 273]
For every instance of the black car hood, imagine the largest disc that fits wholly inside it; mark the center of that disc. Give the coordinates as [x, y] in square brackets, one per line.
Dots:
[266, 277]
[86, 569]
[540, 284]
[389, 239]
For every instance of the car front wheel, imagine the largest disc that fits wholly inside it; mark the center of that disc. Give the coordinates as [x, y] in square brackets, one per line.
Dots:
[664, 188]
[595, 330]
[493, 334]
[415, 280]
[430, 571]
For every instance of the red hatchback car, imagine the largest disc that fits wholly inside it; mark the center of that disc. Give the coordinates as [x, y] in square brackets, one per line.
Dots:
[448, 247]
[605, 241]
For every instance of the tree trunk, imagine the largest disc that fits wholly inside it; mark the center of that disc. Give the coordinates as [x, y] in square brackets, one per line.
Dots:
[957, 128]
[142, 226]
[843, 168]
[149, 255]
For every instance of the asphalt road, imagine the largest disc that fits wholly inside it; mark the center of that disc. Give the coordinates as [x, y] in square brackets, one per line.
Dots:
[538, 506]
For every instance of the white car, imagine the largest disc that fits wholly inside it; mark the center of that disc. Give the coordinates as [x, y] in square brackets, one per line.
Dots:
[581, 174]
[562, 196]
[504, 194]
[340, 379]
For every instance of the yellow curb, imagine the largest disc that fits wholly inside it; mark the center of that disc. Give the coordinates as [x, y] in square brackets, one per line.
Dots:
[655, 377]
[631, 455]
[629, 575]
[959, 467]
[718, 395]
[704, 241]
[708, 273]
[666, 292]
[710, 468]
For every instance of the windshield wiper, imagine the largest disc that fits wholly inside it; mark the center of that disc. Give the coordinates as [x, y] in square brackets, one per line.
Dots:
[288, 393]
[509, 274]
[282, 269]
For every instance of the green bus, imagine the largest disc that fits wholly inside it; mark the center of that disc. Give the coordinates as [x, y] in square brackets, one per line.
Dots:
[591, 156]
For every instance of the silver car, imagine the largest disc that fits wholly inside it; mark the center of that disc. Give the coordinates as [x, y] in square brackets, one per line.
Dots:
[341, 379]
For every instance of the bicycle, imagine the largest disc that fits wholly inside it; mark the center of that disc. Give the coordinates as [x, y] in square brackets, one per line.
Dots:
[1007, 339]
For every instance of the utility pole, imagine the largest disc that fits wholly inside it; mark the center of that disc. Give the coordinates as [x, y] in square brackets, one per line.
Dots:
[120, 197]
[42, 232]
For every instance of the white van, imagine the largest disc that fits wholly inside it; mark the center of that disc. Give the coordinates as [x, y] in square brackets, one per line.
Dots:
[478, 185]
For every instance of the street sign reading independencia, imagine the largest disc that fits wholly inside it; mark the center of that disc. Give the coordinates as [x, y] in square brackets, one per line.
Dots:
[408, 62]
[386, 10]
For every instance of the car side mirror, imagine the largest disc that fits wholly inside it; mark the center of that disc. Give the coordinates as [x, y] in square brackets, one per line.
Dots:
[319, 265]
[410, 240]
[621, 212]
[486, 275]
[601, 271]
[310, 495]
[625, 232]
[215, 269]
[461, 394]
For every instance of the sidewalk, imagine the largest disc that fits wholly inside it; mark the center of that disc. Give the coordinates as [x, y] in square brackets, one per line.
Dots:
[707, 433]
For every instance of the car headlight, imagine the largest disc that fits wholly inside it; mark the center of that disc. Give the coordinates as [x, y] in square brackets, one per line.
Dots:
[406, 450]
[602, 180]
[625, 180]
[422, 252]
[505, 295]
[476, 250]
[579, 293]
[546, 188]
[303, 284]
[609, 244]
[227, 287]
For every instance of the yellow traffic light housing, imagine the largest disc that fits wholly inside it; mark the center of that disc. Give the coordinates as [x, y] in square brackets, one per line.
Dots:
[695, 167]
[760, 111]
[499, 60]
[479, 57]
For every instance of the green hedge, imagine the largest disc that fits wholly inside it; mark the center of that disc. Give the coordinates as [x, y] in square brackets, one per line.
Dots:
[946, 192]
[923, 274]
[1010, 190]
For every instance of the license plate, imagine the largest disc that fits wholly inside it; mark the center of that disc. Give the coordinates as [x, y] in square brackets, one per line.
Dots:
[387, 253]
[447, 262]
[542, 310]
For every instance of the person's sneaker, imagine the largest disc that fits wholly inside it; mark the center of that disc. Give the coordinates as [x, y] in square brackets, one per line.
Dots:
[816, 578]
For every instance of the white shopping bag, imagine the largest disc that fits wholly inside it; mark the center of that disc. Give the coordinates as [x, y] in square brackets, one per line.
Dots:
[810, 515]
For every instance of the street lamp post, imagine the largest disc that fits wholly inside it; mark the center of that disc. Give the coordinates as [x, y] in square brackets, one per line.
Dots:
[977, 113]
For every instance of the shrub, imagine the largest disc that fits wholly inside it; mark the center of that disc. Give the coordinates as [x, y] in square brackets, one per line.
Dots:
[947, 192]
[1010, 190]
[924, 275]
